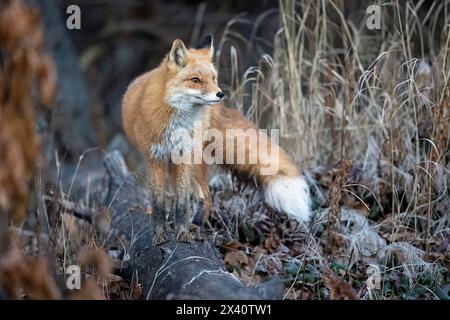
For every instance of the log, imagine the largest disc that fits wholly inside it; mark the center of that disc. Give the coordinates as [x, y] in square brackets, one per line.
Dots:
[173, 270]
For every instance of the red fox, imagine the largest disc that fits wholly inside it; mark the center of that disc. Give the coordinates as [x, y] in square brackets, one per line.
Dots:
[182, 93]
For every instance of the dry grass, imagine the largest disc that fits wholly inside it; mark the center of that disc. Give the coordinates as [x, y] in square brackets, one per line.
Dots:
[338, 91]
[364, 113]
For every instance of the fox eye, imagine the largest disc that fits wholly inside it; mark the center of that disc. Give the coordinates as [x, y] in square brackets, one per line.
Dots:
[195, 80]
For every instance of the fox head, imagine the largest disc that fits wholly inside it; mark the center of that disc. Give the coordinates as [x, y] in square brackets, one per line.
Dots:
[192, 77]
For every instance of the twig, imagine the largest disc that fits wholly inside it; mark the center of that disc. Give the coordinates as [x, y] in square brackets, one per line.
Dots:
[72, 208]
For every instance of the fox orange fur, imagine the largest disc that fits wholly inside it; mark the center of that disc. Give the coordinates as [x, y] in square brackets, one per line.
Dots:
[182, 92]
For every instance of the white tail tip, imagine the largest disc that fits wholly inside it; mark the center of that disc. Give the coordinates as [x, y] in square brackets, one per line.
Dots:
[291, 196]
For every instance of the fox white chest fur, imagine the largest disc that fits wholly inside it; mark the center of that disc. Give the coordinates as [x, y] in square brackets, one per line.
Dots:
[179, 133]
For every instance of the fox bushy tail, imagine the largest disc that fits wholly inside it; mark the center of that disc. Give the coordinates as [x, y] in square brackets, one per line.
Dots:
[284, 188]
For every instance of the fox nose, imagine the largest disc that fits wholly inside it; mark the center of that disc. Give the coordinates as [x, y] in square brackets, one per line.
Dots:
[220, 94]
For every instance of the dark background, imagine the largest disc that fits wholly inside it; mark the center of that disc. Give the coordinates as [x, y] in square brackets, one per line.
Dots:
[119, 40]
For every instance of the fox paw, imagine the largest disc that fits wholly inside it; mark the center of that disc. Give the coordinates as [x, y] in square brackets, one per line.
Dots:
[159, 238]
[183, 235]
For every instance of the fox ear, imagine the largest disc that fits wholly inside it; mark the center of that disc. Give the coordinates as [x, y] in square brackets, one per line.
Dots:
[207, 43]
[178, 54]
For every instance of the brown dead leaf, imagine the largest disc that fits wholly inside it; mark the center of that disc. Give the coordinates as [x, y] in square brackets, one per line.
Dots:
[339, 290]
[234, 245]
[272, 243]
[236, 258]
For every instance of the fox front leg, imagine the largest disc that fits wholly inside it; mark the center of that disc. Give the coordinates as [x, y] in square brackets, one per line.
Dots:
[156, 175]
[202, 192]
[182, 203]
